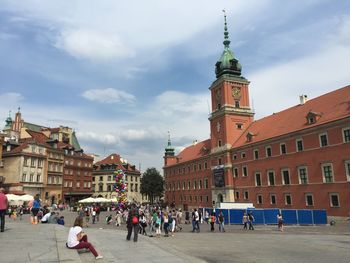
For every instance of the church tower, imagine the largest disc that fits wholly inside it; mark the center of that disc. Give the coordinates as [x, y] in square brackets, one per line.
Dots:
[169, 155]
[231, 115]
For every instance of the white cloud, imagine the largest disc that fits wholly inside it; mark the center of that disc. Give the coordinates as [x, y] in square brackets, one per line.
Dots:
[174, 103]
[109, 95]
[93, 45]
[312, 75]
[99, 31]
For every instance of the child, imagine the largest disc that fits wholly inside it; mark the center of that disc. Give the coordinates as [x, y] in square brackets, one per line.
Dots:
[60, 221]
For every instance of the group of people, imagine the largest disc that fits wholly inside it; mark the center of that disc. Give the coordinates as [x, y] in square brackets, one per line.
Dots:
[248, 219]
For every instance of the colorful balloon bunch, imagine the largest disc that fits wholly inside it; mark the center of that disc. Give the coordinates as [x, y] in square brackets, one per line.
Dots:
[120, 187]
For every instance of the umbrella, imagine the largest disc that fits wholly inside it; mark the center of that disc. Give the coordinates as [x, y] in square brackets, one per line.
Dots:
[14, 199]
[102, 200]
[87, 200]
[26, 198]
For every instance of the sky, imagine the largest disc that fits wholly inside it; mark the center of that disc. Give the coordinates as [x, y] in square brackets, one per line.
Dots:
[124, 73]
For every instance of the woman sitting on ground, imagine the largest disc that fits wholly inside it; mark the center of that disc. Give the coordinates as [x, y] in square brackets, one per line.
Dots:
[77, 239]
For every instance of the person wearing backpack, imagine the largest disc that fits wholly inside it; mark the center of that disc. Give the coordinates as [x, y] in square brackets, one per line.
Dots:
[132, 223]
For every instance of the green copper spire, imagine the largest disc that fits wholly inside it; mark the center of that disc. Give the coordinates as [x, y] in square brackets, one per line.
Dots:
[169, 150]
[227, 63]
[8, 121]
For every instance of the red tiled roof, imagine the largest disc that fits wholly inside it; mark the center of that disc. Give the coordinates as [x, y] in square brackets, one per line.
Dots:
[331, 106]
[114, 159]
[18, 149]
[54, 130]
[39, 137]
[195, 151]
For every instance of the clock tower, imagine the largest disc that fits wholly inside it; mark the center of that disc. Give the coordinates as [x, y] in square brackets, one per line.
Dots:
[231, 115]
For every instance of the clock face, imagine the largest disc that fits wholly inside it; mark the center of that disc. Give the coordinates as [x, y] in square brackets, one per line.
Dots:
[236, 92]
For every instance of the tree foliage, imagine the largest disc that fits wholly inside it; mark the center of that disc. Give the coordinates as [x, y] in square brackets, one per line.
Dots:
[152, 184]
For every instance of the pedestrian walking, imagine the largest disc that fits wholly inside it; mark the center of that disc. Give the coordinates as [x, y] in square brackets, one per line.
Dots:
[221, 222]
[35, 209]
[251, 221]
[132, 223]
[93, 213]
[212, 220]
[3, 208]
[206, 217]
[245, 221]
[196, 216]
[280, 222]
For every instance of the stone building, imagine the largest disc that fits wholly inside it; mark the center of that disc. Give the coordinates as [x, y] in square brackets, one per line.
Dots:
[103, 178]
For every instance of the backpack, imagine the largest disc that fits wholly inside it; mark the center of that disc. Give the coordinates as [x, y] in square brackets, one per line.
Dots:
[134, 220]
[170, 220]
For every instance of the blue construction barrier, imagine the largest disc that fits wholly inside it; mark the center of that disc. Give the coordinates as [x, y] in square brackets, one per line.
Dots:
[270, 216]
[305, 217]
[236, 216]
[320, 217]
[289, 216]
[258, 215]
[225, 212]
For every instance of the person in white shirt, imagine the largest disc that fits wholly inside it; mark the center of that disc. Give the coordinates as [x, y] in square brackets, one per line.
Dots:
[77, 239]
[45, 218]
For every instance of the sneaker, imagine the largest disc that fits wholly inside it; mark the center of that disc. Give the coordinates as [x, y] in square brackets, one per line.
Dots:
[99, 257]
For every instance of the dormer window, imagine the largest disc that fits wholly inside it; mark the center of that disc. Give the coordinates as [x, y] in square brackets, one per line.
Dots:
[250, 137]
[312, 117]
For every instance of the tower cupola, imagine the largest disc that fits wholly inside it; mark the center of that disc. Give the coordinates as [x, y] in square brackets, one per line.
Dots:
[169, 150]
[227, 63]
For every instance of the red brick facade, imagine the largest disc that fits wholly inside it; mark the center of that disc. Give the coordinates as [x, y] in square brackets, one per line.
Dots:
[298, 158]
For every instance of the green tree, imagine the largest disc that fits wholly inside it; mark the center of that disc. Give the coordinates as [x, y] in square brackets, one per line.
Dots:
[152, 184]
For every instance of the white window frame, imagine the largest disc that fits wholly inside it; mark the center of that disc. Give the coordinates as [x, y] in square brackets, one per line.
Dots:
[319, 138]
[271, 199]
[313, 200]
[343, 134]
[235, 175]
[256, 184]
[257, 199]
[307, 175]
[330, 199]
[347, 170]
[246, 167]
[266, 151]
[282, 175]
[268, 177]
[296, 145]
[323, 174]
[237, 195]
[246, 195]
[256, 151]
[285, 145]
[285, 199]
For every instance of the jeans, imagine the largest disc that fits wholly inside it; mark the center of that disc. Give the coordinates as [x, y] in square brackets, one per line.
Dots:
[2, 219]
[222, 226]
[197, 226]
